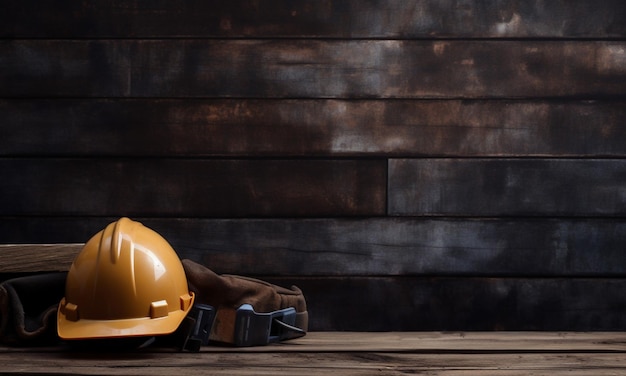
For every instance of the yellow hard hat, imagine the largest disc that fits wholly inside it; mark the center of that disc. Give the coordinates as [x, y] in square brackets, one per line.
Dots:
[126, 282]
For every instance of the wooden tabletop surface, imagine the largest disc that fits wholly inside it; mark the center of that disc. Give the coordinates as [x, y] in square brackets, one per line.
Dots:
[352, 353]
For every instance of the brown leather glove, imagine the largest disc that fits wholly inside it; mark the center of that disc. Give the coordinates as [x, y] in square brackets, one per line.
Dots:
[226, 293]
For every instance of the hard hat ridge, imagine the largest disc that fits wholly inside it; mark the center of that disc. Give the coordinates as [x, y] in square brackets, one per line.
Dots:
[117, 229]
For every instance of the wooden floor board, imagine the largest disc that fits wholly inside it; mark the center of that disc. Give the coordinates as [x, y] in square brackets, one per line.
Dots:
[352, 353]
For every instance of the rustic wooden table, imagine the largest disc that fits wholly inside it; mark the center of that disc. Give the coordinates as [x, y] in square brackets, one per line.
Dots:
[349, 353]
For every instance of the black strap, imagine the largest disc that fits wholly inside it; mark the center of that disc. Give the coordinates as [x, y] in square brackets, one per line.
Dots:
[289, 331]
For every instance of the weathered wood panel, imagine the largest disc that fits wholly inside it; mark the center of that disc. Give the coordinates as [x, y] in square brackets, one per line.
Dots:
[460, 303]
[310, 18]
[361, 363]
[413, 303]
[422, 343]
[312, 68]
[181, 187]
[159, 110]
[37, 258]
[348, 247]
[235, 127]
[353, 353]
[507, 187]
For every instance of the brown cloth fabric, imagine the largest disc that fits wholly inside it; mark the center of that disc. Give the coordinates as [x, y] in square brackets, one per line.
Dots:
[28, 307]
[231, 291]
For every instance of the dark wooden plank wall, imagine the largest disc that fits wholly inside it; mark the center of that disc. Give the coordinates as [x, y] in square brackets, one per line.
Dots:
[412, 165]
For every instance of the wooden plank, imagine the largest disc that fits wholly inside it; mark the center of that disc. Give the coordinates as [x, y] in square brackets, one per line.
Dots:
[506, 187]
[449, 342]
[358, 364]
[234, 127]
[461, 304]
[345, 19]
[348, 247]
[502, 353]
[192, 187]
[472, 342]
[312, 68]
[36, 258]
[64, 68]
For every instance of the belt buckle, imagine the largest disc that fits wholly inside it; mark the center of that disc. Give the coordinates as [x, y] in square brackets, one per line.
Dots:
[255, 329]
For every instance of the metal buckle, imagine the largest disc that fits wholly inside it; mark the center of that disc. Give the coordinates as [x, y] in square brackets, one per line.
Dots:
[255, 329]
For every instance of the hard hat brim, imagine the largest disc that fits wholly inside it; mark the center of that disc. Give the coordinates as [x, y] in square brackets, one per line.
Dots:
[134, 327]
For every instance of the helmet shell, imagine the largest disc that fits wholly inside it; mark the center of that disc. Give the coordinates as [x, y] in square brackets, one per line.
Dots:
[127, 281]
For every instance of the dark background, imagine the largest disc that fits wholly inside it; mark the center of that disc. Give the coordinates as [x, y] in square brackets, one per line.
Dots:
[411, 165]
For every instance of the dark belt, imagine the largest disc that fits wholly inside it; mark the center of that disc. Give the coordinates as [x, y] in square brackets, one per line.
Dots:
[241, 327]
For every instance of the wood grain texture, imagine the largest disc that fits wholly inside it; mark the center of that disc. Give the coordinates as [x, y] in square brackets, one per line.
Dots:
[174, 187]
[358, 353]
[37, 258]
[457, 304]
[348, 247]
[306, 128]
[448, 165]
[312, 68]
[507, 187]
[424, 343]
[361, 363]
[318, 19]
